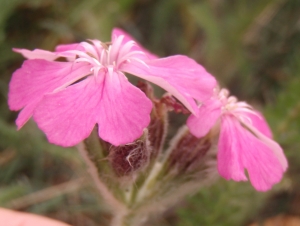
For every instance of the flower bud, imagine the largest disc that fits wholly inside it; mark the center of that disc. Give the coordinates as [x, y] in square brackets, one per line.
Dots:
[130, 158]
[190, 155]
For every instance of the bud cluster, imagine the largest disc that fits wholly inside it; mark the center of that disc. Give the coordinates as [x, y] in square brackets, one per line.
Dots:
[148, 171]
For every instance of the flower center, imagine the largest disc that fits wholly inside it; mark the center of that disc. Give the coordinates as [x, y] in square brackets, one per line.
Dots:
[228, 102]
[231, 103]
[107, 56]
[232, 106]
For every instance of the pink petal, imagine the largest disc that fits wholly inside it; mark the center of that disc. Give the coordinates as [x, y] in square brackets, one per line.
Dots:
[118, 32]
[36, 78]
[207, 117]
[36, 54]
[230, 164]
[239, 149]
[25, 114]
[121, 110]
[67, 47]
[47, 55]
[275, 147]
[125, 111]
[66, 50]
[259, 122]
[68, 117]
[51, 56]
[179, 75]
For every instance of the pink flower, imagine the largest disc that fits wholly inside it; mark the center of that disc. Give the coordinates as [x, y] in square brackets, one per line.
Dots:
[244, 142]
[67, 98]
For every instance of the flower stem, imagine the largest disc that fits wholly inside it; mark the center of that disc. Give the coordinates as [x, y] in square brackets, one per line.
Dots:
[143, 192]
[119, 209]
[156, 169]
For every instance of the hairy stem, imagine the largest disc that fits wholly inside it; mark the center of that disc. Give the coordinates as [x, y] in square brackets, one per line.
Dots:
[119, 209]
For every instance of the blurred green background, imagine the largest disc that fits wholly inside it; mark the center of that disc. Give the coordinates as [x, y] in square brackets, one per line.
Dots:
[252, 47]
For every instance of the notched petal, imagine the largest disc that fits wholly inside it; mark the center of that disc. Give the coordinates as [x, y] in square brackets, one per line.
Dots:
[230, 145]
[239, 149]
[67, 117]
[179, 75]
[37, 78]
[125, 111]
[208, 115]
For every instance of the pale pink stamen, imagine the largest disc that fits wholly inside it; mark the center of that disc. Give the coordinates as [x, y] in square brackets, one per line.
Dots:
[107, 58]
[97, 46]
[232, 106]
[114, 49]
[89, 48]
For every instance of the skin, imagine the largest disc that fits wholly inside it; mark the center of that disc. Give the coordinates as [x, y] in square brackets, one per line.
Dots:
[14, 218]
